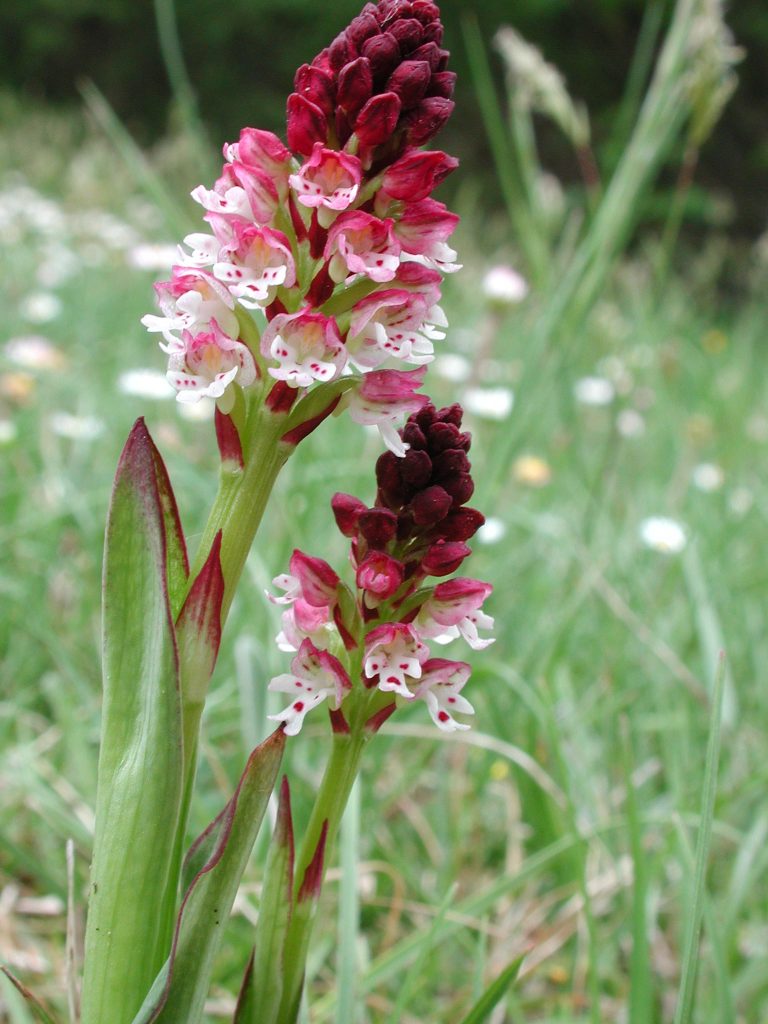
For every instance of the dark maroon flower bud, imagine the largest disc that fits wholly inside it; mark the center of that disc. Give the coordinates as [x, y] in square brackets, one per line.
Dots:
[361, 28]
[339, 52]
[408, 32]
[428, 118]
[430, 506]
[347, 511]
[430, 52]
[461, 523]
[316, 86]
[413, 436]
[382, 52]
[450, 463]
[388, 479]
[443, 436]
[434, 34]
[378, 526]
[416, 468]
[378, 119]
[355, 85]
[444, 557]
[460, 487]
[410, 82]
[451, 414]
[306, 124]
[417, 173]
[442, 83]
[425, 11]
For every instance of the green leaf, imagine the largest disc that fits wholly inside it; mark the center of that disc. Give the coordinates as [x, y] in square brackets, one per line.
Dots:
[215, 865]
[262, 988]
[177, 563]
[493, 994]
[133, 877]
[37, 1007]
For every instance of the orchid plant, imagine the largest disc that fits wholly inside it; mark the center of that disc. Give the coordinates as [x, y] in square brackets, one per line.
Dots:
[315, 291]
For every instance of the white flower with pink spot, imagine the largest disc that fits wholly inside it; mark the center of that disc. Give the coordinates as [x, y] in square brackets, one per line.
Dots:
[359, 243]
[440, 687]
[307, 347]
[258, 260]
[204, 365]
[315, 676]
[455, 609]
[395, 324]
[393, 654]
[191, 300]
[382, 398]
[328, 181]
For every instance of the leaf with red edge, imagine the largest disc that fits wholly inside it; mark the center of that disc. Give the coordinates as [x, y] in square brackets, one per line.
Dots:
[198, 628]
[134, 875]
[262, 989]
[214, 867]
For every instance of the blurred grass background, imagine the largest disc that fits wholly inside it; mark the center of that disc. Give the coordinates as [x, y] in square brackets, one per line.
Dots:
[629, 383]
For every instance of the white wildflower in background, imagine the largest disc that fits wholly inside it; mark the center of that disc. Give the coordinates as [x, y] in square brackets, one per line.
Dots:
[597, 391]
[451, 366]
[40, 307]
[201, 411]
[504, 286]
[660, 533]
[741, 501]
[152, 255]
[489, 403]
[707, 477]
[8, 431]
[76, 428]
[492, 531]
[145, 384]
[34, 352]
[629, 423]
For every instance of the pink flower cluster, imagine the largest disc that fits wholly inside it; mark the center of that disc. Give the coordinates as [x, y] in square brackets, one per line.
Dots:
[381, 633]
[329, 250]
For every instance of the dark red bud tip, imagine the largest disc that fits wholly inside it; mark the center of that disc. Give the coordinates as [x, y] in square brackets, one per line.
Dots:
[306, 124]
[430, 506]
[383, 53]
[378, 119]
[442, 84]
[376, 721]
[461, 523]
[228, 439]
[281, 397]
[347, 511]
[410, 81]
[444, 557]
[284, 821]
[428, 118]
[378, 526]
[355, 85]
[312, 882]
[338, 721]
[315, 85]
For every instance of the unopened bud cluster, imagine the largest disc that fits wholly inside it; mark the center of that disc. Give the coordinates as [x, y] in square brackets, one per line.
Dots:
[322, 265]
[376, 637]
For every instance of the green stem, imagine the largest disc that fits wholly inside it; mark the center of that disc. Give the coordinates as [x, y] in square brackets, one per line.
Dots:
[338, 779]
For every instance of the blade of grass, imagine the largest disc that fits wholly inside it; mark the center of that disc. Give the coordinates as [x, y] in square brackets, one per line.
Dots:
[641, 978]
[527, 236]
[493, 994]
[684, 1008]
[416, 970]
[177, 221]
[349, 911]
